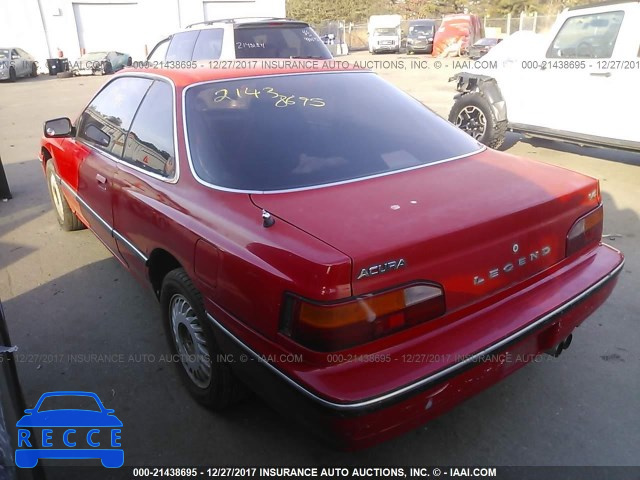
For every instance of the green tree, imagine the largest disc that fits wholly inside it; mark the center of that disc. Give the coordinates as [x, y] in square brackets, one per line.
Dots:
[316, 11]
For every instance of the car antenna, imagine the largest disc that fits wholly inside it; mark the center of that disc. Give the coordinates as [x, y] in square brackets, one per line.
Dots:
[267, 219]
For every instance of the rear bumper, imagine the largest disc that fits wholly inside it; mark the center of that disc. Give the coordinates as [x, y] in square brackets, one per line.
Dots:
[453, 375]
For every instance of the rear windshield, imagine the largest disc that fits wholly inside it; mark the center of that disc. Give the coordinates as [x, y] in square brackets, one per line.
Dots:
[283, 132]
[279, 41]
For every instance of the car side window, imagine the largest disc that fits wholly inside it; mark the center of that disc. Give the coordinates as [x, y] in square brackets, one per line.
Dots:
[209, 44]
[105, 122]
[182, 45]
[149, 145]
[14, 54]
[160, 51]
[587, 36]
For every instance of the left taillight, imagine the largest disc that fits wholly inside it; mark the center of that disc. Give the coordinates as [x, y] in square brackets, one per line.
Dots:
[587, 231]
[335, 326]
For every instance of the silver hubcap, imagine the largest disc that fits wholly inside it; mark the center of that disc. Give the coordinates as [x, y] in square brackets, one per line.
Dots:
[56, 196]
[472, 120]
[190, 341]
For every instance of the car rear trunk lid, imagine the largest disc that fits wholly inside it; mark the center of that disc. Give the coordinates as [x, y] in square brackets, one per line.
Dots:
[475, 225]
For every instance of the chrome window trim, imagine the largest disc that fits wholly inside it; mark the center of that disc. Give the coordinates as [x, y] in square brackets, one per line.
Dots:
[431, 378]
[113, 232]
[120, 161]
[481, 148]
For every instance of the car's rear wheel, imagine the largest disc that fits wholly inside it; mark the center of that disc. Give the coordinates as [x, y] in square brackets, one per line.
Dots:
[201, 363]
[65, 216]
[12, 74]
[472, 113]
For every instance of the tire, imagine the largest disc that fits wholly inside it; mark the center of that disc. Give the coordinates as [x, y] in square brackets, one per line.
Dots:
[66, 218]
[473, 114]
[208, 379]
[108, 68]
[12, 75]
[34, 70]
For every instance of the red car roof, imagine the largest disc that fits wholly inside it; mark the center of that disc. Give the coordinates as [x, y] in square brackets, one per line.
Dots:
[264, 67]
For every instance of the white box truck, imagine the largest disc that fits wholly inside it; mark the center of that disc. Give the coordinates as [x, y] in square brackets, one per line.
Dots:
[384, 33]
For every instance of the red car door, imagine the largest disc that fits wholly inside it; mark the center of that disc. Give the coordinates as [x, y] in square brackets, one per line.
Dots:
[145, 177]
[99, 144]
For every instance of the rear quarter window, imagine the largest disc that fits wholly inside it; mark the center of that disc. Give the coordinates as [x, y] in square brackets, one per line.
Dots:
[149, 144]
[182, 45]
[209, 44]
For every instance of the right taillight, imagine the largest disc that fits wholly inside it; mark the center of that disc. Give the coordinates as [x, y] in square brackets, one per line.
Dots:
[338, 325]
[587, 231]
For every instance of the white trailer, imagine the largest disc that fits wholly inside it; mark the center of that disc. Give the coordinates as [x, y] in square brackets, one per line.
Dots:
[384, 33]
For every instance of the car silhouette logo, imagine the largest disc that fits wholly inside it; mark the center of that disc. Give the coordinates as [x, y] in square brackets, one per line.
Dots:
[69, 433]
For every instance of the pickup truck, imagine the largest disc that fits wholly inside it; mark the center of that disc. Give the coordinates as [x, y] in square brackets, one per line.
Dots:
[577, 83]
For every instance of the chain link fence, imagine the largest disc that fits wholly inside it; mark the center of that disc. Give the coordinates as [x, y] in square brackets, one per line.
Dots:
[355, 36]
[504, 26]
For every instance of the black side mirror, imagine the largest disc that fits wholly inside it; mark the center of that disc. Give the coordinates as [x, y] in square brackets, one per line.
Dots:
[58, 128]
[97, 136]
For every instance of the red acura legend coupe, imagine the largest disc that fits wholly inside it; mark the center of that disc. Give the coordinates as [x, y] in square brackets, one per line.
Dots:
[307, 240]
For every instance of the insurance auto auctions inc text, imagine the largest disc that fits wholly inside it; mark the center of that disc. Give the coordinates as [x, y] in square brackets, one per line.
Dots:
[377, 472]
[395, 64]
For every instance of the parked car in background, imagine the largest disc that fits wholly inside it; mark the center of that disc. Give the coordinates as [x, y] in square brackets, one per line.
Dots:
[101, 63]
[482, 47]
[16, 63]
[547, 84]
[456, 34]
[240, 38]
[263, 209]
[420, 36]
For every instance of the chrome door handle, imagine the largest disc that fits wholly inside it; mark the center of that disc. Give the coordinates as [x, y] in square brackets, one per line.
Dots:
[101, 179]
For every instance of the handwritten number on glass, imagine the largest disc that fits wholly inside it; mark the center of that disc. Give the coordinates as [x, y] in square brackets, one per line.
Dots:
[282, 101]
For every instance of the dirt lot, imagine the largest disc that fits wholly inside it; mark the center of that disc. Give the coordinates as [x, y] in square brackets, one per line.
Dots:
[66, 298]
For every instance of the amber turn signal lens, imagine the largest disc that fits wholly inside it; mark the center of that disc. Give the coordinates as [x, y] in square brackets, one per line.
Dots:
[587, 231]
[336, 326]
